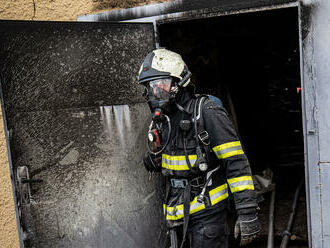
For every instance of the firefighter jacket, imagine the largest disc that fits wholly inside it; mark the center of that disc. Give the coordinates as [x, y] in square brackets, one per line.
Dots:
[225, 156]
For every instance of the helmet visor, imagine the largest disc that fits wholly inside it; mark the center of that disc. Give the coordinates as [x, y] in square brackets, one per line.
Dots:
[160, 88]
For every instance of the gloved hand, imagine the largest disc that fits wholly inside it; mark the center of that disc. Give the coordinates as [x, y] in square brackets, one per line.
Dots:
[247, 225]
[152, 163]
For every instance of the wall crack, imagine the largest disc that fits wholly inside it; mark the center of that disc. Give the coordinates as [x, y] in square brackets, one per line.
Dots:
[34, 9]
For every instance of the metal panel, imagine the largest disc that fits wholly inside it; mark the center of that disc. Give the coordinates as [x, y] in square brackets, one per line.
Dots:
[179, 6]
[60, 82]
[70, 65]
[321, 48]
[325, 189]
[315, 72]
[322, 70]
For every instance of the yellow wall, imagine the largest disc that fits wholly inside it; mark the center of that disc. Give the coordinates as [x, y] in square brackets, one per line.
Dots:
[52, 10]
[61, 10]
[8, 231]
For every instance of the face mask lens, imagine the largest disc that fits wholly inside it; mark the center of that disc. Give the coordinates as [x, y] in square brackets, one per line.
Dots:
[160, 88]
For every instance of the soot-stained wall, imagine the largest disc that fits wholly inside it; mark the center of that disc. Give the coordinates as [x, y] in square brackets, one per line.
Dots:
[77, 121]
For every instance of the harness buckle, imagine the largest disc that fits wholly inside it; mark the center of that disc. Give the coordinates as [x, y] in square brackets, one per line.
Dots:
[204, 137]
[197, 182]
[179, 183]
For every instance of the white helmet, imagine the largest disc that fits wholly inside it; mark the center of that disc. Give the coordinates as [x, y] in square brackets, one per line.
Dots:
[163, 63]
[164, 74]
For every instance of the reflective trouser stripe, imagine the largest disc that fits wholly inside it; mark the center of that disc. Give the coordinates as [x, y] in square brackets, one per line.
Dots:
[228, 149]
[240, 183]
[177, 162]
[216, 195]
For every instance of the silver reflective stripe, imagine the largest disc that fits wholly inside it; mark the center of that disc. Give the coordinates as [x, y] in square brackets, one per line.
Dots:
[175, 212]
[230, 149]
[195, 205]
[180, 212]
[218, 194]
[241, 183]
[179, 162]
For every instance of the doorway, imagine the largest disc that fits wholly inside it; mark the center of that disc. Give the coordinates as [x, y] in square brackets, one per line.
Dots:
[252, 63]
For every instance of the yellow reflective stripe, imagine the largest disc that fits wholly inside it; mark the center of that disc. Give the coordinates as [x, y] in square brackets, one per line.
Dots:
[175, 167]
[177, 162]
[241, 183]
[241, 188]
[172, 209]
[217, 189]
[197, 208]
[179, 158]
[228, 149]
[220, 197]
[173, 213]
[216, 195]
[230, 154]
[169, 217]
[174, 217]
[239, 179]
[226, 145]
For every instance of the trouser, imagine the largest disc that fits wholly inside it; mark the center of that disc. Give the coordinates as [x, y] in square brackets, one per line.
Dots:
[208, 232]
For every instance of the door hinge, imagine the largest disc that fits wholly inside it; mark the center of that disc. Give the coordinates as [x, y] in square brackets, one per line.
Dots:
[24, 184]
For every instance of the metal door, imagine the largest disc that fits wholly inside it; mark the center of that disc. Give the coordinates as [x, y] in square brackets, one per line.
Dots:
[76, 127]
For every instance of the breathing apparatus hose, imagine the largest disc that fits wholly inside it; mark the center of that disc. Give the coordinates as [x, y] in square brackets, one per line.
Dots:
[185, 153]
[195, 122]
[167, 140]
[201, 163]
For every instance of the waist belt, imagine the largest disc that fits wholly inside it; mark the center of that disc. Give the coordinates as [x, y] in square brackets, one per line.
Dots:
[176, 212]
[197, 182]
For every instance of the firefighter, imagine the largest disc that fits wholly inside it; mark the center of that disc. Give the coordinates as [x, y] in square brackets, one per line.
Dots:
[194, 145]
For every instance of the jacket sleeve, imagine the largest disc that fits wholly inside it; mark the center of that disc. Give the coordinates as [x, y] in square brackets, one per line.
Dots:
[225, 144]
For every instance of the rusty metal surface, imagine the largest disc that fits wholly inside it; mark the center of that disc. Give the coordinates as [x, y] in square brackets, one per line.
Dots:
[60, 84]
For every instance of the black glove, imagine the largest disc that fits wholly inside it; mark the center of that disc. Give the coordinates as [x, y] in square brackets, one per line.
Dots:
[247, 225]
[152, 163]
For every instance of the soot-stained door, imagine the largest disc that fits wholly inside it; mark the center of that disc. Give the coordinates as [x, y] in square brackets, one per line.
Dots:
[76, 123]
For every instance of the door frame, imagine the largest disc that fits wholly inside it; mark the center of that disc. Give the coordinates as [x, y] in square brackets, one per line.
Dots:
[311, 148]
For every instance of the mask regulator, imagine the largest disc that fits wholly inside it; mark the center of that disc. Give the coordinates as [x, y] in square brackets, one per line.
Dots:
[155, 143]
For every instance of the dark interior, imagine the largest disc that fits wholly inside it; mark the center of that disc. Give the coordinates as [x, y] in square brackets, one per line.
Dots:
[251, 62]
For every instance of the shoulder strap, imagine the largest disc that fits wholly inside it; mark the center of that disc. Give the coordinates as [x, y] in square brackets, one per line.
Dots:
[201, 134]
